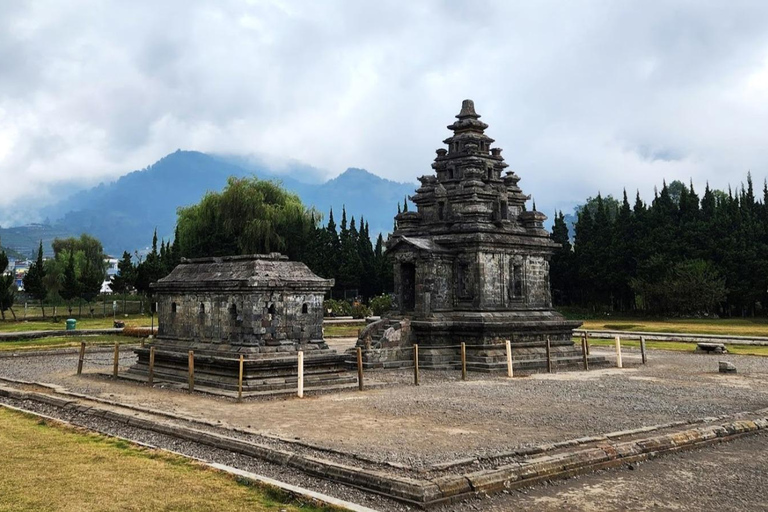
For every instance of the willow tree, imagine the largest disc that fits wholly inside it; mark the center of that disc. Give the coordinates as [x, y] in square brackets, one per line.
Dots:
[249, 216]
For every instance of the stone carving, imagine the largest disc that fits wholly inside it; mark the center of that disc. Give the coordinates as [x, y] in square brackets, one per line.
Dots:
[263, 307]
[471, 264]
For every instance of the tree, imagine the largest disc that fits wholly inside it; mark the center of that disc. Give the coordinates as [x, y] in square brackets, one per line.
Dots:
[70, 287]
[7, 287]
[82, 267]
[248, 216]
[562, 263]
[34, 279]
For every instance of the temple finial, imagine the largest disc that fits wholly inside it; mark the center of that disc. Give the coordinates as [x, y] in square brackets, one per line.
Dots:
[467, 109]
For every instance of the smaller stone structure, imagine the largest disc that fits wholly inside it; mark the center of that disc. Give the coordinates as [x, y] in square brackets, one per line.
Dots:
[263, 307]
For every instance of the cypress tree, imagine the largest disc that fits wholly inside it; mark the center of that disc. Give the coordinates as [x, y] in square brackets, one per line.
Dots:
[34, 279]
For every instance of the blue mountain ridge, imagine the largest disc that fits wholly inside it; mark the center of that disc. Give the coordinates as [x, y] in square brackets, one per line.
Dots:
[124, 213]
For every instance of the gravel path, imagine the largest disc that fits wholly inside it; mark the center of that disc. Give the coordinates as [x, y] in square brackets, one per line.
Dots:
[729, 477]
[212, 455]
[444, 418]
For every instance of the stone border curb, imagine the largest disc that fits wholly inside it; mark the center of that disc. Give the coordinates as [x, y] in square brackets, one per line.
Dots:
[31, 335]
[64, 351]
[671, 336]
[559, 460]
[292, 490]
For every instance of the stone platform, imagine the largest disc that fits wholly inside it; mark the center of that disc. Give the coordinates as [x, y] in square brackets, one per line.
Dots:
[262, 372]
[388, 343]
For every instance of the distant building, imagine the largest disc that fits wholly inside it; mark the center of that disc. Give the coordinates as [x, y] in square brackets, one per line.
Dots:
[111, 272]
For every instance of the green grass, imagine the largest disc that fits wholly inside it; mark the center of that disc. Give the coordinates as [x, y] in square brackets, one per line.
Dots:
[83, 323]
[726, 326]
[342, 330]
[678, 346]
[64, 342]
[48, 466]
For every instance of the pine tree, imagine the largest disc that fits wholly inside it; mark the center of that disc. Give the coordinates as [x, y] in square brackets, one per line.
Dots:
[7, 287]
[34, 280]
[368, 277]
[70, 287]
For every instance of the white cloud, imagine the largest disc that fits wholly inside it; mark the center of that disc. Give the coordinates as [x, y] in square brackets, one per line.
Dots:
[584, 96]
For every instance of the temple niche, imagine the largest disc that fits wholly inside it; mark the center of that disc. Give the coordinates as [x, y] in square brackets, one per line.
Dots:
[471, 264]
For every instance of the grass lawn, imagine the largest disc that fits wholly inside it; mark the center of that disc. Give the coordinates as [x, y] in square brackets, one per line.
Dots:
[53, 467]
[732, 326]
[342, 330]
[83, 323]
[66, 341]
[675, 345]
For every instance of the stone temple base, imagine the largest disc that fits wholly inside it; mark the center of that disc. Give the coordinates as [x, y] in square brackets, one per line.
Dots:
[265, 369]
[389, 342]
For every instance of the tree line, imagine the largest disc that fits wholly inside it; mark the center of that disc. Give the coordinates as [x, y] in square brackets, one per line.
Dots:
[252, 216]
[75, 273]
[680, 254]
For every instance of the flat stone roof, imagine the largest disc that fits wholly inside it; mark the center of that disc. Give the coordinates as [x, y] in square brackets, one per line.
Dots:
[247, 272]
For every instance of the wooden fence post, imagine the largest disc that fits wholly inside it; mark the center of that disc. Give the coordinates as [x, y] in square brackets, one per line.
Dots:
[301, 374]
[81, 358]
[642, 348]
[415, 365]
[360, 368]
[585, 353]
[463, 361]
[151, 376]
[618, 352]
[586, 341]
[549, 356]
[509, 359]
[191, 371]
[116, 360]
[240, 381]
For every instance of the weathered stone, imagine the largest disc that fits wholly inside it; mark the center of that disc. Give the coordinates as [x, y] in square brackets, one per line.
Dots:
[471, 264]
[711, 348]
[216, 307]
[726, 367]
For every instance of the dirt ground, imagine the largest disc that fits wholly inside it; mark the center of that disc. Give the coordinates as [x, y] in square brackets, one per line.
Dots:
[444, 418]
[727, 477]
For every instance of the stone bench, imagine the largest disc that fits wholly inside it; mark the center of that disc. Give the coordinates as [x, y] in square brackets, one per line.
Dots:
[711, 348]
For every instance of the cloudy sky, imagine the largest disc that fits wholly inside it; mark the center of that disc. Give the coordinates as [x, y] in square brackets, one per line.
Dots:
[582, 95]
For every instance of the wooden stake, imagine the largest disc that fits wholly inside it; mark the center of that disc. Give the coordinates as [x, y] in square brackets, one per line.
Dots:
[360, 368]
[509, 360]
[116, 360]
[618, 353]
[585, 352]
[415, 365]
[642, 348]
[463, 361]
[549, 356]
[81, 358]
[301, 374]
[151, 373]
[240, 381]
[191, 371]
[586, 341]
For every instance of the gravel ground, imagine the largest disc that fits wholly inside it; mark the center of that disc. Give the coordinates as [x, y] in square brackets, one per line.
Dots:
[212, 455]
[725, 477]
[446, 419]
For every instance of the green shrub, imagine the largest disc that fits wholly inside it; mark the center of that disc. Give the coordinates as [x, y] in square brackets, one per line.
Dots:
[333, 307]
[360, 311]
[381, 304]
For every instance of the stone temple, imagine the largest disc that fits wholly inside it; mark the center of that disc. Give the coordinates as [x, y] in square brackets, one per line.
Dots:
[471, 265]
[262, 306]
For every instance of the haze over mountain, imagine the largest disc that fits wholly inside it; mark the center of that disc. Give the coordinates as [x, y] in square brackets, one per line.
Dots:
[124, 213]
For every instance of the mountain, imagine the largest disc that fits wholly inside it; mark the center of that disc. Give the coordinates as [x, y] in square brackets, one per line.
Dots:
[124, 213]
